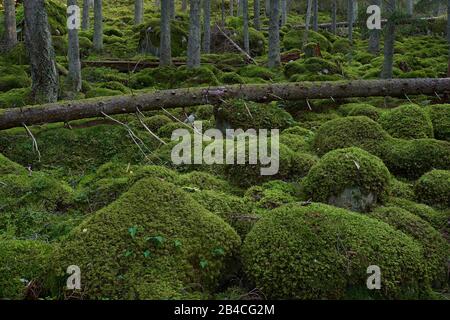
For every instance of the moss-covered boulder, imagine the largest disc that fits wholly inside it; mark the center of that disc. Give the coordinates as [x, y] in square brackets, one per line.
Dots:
[435, 248]
[345, 132]
[440, 117]
[407, 122]
[360, 109]
[9, 167]
[322, 252]
[240, 114]
[433, 188]
[350, 178]
[154, 242]
[272, 194]
[294, 40]
[22, 263]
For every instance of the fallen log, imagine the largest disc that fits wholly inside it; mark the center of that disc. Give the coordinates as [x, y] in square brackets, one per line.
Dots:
[65, 111]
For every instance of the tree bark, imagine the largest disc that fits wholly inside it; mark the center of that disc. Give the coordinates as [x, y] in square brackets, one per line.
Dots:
[315, 8]
[334, 16]
[98, 25]
[283, 12]
[374, 35]
[189, 97]
[165, 47]
[246, 26]
[307, 21]
[257, 14]
[138, 11]
[389, 41]
[274, 34]
[86, 8]
[231, 8]
[410, 7]
[206, 26]
[73, 55]
[38, 41]
[10, 23]
[194, 41]
[172, 9]
[350, 20]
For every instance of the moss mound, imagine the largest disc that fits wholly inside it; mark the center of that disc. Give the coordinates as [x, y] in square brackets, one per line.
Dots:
[354, 171]
[9, 167]
[304, 253]
[22, 262]
[360, 109]
[345, 132]
[240, 114]
[435, 248]
[152, 243]
[433, 188]
[407, 122]
[440, 117]
[272, 194]
[294, 40]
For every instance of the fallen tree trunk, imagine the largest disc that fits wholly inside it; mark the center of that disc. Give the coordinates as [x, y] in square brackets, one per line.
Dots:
[97, 107]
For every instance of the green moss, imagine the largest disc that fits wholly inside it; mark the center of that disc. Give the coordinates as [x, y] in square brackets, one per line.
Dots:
[272, 194]
[13, 77]
[400, 189]
[294, 40]
[342, 45]
[115, 86]
[361, 109]
[344, 169]
[9, 167]
[102, 92]
[257, 41]
[20, 263]
[156, 122]
[155, 239]
[311, 66]
[15, 98]
[299, 131]
[204, 181]
[103, 74]
[166, 130]
[433, 188]
[240, 114]
[440, 117]
[253, 71]
[358, 131]
[231, 78]
[407, 122]
[435, 248]
[294, 253]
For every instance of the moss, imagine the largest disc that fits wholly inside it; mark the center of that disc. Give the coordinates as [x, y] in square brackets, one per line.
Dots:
[115, 86]
[155, 239]
[342, 45]
[438, 219]
[294, 142]
[13, 77]
[166, 130]
[240, 114]
[294, 253]
[157, 121]
[361, 109]
[310, 67]
[358, 131]
[234, 210]
[20, 263]
[15, 98]
[253, 71]
[231, 78]
[349, 168]
[57, 17]
[102, 92]
[407, 122]
[204, 181]
[205, 112]
[435, 248]
[16, 56]
[257, 41]
[103, 74]
[433, 188]
[9, 167]
[440, 117]
[272, 194]
[299, 131]
[294, 40]
[400, 189]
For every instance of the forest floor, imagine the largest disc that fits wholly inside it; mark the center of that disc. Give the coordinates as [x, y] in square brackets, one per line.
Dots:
[361, 181]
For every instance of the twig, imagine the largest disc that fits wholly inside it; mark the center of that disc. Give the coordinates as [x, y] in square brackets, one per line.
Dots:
[139, 114]
[178, 120]
[248, 110]
[35, 145]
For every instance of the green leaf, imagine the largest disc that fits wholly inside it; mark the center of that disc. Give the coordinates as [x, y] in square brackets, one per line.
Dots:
[218, 252]
[147, 253]
[177, 244]
[203, 264]
[132, 231]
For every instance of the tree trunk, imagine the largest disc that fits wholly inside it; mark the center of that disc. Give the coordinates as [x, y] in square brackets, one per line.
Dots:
[240, 8]
[231, 8]
[165, 48]
[256, 14]
[73, 55]
[206, 26]
[334, 16]
[172, 9]
[389, 40]
[246, 26]
[274, 34]
[307, 21]
[138, 11]
[410, 7]
[267, 5]
[194, 41]
[86, 8]
[189, 97]
[283, 12]
[10, 23]
[350, 20]
[38, 41]
[315, 8]
[374, 35]
[98, 25]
